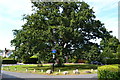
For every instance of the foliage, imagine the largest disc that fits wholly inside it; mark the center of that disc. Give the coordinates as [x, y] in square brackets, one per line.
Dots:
[1, 51]
[0, 61]
[73, 60]
[67, 27]
[93, 54]
[108, 72]
[31, 61]
[112, 61]
[109, 47]
[9, 61]
[8, 58]
[34, 56]
[118, 51]
[12, 56]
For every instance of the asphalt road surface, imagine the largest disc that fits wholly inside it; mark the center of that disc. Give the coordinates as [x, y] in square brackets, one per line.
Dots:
[6, 75]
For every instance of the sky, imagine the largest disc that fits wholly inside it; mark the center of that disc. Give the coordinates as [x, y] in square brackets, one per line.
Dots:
[12, 11]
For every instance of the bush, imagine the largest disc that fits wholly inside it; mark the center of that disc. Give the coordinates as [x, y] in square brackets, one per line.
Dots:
[112, 61]
[8, 58]
[72, 60]
[31, 61]
[34, 56]
[109, 72]
[87, 62]
[6, 61]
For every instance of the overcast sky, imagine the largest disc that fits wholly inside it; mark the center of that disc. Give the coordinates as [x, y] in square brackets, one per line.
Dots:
[11, 12]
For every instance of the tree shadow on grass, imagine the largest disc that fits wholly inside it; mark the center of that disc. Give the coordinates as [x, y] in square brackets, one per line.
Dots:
[80, 67]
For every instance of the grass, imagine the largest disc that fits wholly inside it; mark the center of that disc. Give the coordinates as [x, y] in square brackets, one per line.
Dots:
[68, 67]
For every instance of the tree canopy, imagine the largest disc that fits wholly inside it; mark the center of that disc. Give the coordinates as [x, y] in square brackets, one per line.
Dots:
[67, 27]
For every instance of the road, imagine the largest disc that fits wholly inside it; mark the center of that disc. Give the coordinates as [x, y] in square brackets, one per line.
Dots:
[6, 75]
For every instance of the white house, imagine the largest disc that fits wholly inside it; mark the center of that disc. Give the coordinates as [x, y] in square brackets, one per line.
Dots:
[3, 54]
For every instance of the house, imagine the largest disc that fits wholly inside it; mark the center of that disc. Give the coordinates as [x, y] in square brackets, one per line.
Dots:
[6, 52]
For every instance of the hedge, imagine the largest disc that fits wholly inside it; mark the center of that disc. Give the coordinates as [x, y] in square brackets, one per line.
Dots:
[112, 61]
[31, 61]
[9, 61]
[109, 72]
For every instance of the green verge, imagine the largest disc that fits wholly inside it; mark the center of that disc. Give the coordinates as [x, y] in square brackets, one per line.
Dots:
[68, 67]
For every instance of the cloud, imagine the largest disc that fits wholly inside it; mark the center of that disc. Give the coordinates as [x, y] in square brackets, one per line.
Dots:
[107, 12]
[100, 6]
[10, 18]
[12, 11]
[112, 25]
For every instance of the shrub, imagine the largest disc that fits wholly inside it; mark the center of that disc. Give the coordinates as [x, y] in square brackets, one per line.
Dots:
[109, 72]
[31, 61]
[72, 60]
[112, 61]
[7, 61]
[87, 62]
[34, 56]
[8, 58]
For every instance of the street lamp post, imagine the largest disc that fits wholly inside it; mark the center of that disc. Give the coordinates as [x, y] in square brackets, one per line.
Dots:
[53, 51]
[53, 62]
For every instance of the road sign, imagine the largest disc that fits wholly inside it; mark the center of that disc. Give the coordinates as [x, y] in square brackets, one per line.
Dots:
[53, 51]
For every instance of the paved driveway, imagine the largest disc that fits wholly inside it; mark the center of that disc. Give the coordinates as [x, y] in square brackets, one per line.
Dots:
[6, 75]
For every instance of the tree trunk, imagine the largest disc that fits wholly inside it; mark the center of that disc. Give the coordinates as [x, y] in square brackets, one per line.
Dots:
[39, 62]
[59, 62]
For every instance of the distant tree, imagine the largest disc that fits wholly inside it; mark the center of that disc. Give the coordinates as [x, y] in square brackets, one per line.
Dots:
[109, 47]
[118, 51]
[1, 51]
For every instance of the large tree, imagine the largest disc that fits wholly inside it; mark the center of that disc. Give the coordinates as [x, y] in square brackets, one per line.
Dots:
[67, 27]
